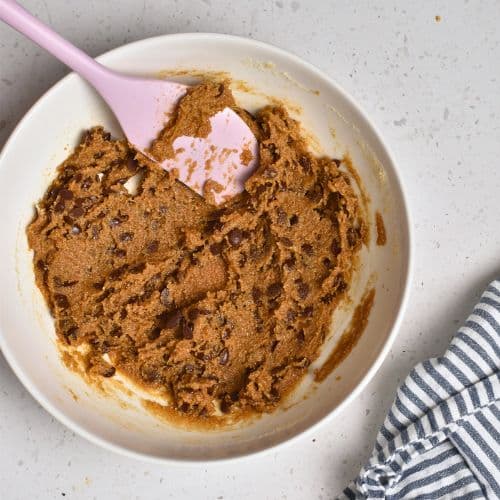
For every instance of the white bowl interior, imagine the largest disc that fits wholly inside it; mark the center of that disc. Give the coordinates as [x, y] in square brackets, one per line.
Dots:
[45, 137]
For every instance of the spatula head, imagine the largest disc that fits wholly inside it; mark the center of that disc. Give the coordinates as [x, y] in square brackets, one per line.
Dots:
[216, 166]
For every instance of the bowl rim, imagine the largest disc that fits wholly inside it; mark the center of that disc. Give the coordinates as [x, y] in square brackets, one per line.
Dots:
[394, 328]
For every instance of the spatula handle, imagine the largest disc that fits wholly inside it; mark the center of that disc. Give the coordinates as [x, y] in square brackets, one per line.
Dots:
[21, 20]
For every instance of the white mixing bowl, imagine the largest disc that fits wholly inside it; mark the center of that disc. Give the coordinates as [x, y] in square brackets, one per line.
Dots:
[45, 137]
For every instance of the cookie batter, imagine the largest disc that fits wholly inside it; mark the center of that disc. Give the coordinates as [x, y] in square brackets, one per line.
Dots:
[223, 307]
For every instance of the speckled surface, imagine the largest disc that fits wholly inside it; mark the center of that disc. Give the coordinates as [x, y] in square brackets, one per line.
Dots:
[433, 89]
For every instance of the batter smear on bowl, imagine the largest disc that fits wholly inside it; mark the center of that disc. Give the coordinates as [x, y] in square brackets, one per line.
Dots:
[223, 308]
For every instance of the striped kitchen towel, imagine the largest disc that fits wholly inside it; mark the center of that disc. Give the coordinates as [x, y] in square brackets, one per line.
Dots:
[441, 438]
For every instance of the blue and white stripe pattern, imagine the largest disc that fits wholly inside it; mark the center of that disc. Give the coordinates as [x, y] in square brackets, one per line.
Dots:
[441, 438]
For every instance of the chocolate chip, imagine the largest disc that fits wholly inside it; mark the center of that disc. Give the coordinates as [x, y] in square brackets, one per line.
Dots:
[326, 299]
[53, 192]
[224, 357]
[64, 283]
[215, 248]
[337, 161]
[187, 330]
[71, 333]
[123, 313]
[235, 237]
[289, 263]
[105, 346]
[305, 163]
[77, 211]
[341, 284]
[138, 268]
[193, 314]
[274, 290]
[108, 371]
[119, 252]
[114, 222]
[154, 333]
[225, 406]
[307, 249]
[133, 299]
[335, 247]
[260, 190]
[308, 311]
[256, 294]
[116, 273]
[273, 304]
[87, 182]
[61, 300]
[132, 164]
[76, 229]
[302, 289]
[315, 194]
[274, 393]
[41, 265]
[105, 294]
[184, 407]
[132, 350]
[116, 331]
[287, 242]
[294, 219]
[300, 336]
[153, 246]
[126, 237]
[171, 320]
[333, 202]
[165, 297]
[59, 207]
[213, 225]
[66, 194]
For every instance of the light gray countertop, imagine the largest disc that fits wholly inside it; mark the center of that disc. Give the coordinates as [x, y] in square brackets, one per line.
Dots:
[433, 89]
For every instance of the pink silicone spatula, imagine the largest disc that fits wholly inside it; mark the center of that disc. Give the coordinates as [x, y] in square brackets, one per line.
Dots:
[142, 107]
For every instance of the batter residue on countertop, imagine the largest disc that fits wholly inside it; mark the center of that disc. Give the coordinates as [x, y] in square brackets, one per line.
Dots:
[222, 307]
